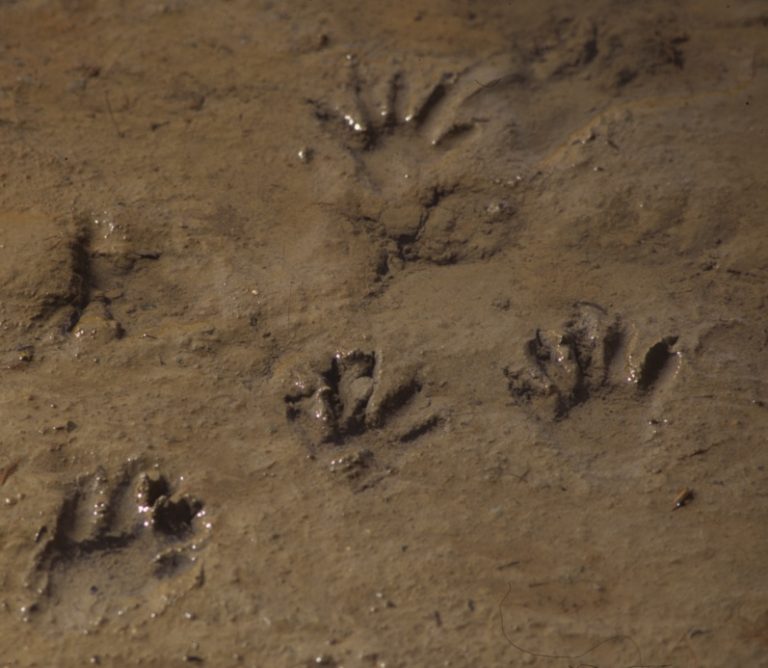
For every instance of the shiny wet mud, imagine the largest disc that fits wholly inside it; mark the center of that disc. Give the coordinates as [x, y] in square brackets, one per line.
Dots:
[326, 337]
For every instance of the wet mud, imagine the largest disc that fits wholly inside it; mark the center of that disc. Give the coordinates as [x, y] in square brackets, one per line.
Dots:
[389, 336]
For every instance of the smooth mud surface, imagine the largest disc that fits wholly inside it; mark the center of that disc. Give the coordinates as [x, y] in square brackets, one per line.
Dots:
[342, 334]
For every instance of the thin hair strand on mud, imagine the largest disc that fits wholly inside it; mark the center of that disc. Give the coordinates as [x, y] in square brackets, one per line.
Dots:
[575, 657]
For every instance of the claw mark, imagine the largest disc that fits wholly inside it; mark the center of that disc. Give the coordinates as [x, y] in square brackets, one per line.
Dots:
[7, 471]
[656, 361]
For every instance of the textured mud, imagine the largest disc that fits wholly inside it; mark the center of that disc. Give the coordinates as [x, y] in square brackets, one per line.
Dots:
[336, 336]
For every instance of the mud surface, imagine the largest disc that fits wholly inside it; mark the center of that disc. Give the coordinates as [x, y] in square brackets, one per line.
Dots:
[334, 333]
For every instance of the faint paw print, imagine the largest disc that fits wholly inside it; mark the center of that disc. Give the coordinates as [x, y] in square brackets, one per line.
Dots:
[409, 192]
[367, 124]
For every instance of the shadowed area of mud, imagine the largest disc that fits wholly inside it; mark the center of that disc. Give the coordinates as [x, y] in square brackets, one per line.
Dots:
[330, 335]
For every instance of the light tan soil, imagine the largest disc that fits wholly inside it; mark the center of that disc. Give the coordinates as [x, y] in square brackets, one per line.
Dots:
[331, 332]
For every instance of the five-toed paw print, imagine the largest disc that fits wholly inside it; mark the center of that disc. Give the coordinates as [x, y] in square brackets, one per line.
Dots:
[352, 401]
[348, 396]
[586, 358]
[114, 534]
[409, 192]
[366, 125]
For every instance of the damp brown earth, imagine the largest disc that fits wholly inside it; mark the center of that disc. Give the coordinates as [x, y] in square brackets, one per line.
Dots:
[383, 334]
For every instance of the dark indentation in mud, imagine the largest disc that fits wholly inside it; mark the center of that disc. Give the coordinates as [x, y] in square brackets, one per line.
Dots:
[760, 20]
[454, 226]
[434, 98]
[363, 137]
[88, 521]
[174, 517]
[578, 346]
[420, 429]
[80, 287]
[405, 242]
[330, 392]
[659, 53]
[570, 366]
[59, 544]
[347, 398]
[103, 515]
[590, 50]
[320, 112]
[656, 361]
[675, 53]
[515, 79]
[564, 351]
[521, 386]
[536, 350]
[292, 411]
[588, 53]
[664, 51]
[398, 398]
[151, 487]
[77, 294]
[393, 92]
[625, 76]
[354, 389]
[612, 345]
[335, 402]
[382, 268]
[454, 133]
[146, 255]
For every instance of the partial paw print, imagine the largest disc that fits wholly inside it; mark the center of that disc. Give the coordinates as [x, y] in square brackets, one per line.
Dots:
[408, 193]
[64, 277]
[351, 400]
[114, 536]
[46, 278]
[380, 112]
[588, 357]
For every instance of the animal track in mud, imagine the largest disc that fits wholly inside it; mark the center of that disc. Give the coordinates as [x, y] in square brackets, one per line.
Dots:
[61, 278]
[48, 273]
[585, 359]
[405, 197]
[349, 403]
[114, 535]
[77, 279]
[348, 396]
[366, 129]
